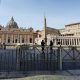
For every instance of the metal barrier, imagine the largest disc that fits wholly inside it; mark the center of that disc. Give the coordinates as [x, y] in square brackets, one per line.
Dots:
[32, 58]
[8, 60]
[70, 58]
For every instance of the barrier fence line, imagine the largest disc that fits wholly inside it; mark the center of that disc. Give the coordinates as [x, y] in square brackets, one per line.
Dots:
[32, 58]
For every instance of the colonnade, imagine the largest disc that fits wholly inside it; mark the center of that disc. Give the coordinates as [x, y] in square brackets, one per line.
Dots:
[66, 40]
[16, 38]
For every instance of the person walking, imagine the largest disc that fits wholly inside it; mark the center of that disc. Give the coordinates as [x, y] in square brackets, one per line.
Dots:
[42, 45]
[51, 45]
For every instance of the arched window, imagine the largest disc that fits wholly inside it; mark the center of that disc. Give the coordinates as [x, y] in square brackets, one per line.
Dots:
[30, 40]
[22, 40]
[39, 35]
[15, 40]
[9, 40]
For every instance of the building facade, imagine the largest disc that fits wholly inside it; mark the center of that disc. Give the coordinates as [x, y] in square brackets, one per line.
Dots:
[68, 36]
[71, 30]
[12, 34]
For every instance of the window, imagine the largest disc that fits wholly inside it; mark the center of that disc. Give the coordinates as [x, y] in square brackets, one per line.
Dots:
[22, 40]
[30, 40]
[39, 35]
[15, 40]
[8, 40]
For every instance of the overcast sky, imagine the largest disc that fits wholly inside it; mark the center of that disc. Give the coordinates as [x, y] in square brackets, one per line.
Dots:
[30, 13]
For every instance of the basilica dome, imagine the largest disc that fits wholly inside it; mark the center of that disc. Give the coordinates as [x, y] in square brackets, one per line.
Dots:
[12, 24]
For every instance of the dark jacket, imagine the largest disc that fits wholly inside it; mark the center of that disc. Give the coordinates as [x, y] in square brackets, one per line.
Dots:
[51, 43]
[42, 43]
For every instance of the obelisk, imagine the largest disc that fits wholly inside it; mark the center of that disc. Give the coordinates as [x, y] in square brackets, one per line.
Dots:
[45, 35]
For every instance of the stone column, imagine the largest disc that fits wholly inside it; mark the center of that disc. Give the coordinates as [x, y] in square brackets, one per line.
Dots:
[32, 38]
[2, 38]
[55, 42]
[71, 41]
[64, 41]
[12, 39]
[20, 38]
[6, 38]
[25, 39]
[28, 39]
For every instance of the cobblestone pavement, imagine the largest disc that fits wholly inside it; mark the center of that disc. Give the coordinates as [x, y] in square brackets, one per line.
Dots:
[49, 77]
[59, 75]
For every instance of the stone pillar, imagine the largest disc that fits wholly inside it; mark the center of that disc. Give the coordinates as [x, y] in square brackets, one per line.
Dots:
[12, 39]
[32, 38]
[55, 41]
[20, 38]
[72, 41]
[28, 39]
[62, 41]
[2, 38]
[25, 39]
[76, 42]
[6, 38]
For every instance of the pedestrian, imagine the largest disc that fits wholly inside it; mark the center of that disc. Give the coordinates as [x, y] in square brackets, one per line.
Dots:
[42, 45]
[51, 45]
[4, 46]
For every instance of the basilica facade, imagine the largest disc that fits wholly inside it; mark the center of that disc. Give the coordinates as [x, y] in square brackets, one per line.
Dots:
[12, 34]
